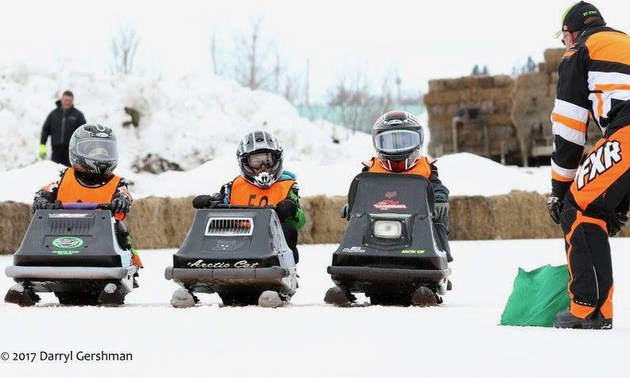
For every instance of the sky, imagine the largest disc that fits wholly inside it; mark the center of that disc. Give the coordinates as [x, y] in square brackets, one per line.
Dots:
[418, 39]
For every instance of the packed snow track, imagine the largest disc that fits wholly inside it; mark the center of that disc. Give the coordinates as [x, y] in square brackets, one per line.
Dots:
[307, 338]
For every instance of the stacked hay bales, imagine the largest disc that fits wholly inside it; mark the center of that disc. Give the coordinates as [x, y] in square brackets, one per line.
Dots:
[516, 111]
[489, 95]
[518, 215]
[324, 222]
[160, 222]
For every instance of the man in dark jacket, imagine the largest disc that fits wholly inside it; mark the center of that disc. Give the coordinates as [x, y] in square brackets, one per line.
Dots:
[59, 125]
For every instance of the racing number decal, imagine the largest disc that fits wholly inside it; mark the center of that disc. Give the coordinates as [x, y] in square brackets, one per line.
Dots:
[264, 200]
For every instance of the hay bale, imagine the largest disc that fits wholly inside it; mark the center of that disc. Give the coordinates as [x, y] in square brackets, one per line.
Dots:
[533, 80]
[160, 222]
[518, 215]
[469, 82]
[305, 235]
[553, 57]
[470, 218]
[326, 226]
[14, 220]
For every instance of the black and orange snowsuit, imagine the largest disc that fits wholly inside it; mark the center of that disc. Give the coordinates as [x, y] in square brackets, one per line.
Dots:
[594, 83]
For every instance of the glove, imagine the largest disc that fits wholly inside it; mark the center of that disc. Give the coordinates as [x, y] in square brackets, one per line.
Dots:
[285, 209]
[40, 203]
[205, 201]
[616, 222]
[554, 206]
[440, 209]
[121, 204]
[42, 151]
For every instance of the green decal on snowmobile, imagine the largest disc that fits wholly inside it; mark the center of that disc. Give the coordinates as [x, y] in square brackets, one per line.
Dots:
[67, 242]
[65, 252]
[412, 251]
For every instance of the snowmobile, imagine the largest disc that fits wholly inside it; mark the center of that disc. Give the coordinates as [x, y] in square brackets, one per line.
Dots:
[238, 252]
[389, 250]
[72, 251]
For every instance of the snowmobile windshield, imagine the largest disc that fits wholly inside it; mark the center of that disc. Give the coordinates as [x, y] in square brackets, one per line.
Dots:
[397, 141]
[101, 150]
[256, 161]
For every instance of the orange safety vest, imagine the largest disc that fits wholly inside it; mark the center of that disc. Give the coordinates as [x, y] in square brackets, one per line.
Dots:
[422, 168]
[70, 190]
[246, 194]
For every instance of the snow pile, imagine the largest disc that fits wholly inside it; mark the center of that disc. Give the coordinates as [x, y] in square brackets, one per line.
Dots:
[196, 121]
[187, 120]
[464, 174]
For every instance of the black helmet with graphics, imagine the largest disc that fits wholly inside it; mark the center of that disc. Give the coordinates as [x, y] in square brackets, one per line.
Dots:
[94, 150]
[398, 137]
[259, 156]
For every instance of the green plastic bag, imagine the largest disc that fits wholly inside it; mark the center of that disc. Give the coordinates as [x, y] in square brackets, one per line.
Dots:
[537, 296]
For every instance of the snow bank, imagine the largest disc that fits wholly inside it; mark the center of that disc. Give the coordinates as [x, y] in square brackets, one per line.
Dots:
[187, 120]
[464, 174]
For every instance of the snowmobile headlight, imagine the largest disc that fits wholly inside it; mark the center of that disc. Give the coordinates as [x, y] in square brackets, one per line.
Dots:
[388, 229]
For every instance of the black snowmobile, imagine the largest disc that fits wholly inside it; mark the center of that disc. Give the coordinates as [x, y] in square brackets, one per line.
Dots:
[389, 250]
[237, 252]
[72, 251]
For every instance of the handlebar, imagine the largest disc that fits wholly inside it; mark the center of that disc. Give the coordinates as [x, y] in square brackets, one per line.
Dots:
[218, 205]
[209, 202]
[57, 205]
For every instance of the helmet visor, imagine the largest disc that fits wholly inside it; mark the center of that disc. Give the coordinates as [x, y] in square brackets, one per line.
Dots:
[100, 150]
[397, 141]
[256, 161]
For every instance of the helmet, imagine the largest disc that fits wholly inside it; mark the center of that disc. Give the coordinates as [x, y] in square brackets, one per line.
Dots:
[260, 158]
[398, 138]
[94, 150]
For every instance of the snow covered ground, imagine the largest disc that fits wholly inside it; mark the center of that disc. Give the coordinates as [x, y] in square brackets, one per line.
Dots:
[464, 174]
[309, 339]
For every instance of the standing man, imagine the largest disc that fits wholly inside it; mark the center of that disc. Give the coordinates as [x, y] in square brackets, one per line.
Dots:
[59, 125]
[589, 196]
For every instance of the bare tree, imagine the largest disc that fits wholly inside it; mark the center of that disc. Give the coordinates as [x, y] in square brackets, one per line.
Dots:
[123, 46]
[258, 63]
[251, 57]
[355, 103]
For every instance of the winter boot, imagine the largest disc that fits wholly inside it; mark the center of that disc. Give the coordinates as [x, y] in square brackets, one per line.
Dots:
[20, 296]
[269, 298]
[182, 298]
[338, 297]
[424, 297]
[564, 319]
[111, 296]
